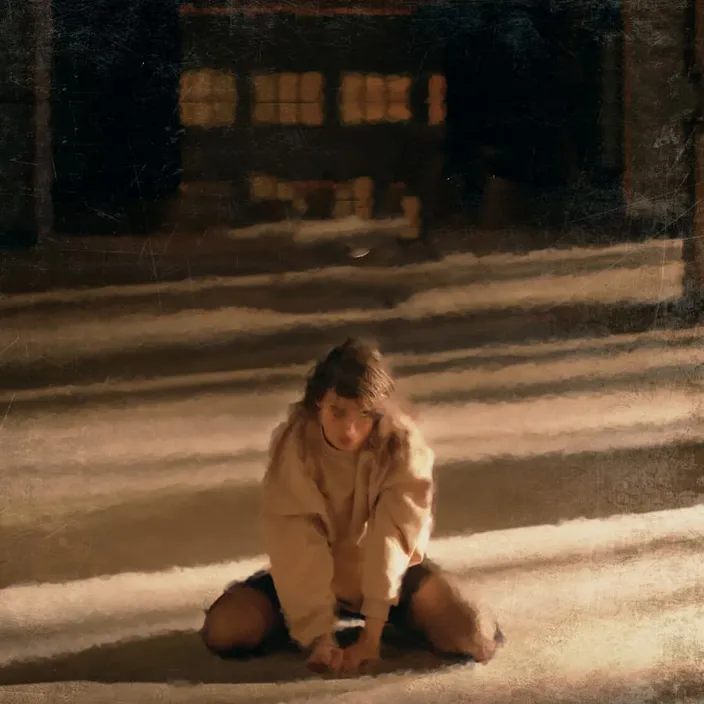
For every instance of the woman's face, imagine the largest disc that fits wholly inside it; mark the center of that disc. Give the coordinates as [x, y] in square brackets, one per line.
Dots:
[345, 423]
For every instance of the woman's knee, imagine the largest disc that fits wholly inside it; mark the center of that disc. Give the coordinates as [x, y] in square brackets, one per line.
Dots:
[464, 639]
[239, 619]
[454, 624]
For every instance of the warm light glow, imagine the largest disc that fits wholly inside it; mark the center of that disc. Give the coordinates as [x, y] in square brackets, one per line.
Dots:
[288, 98]
[437, 109]
[354, 198]
[208, 98]
[374, 98]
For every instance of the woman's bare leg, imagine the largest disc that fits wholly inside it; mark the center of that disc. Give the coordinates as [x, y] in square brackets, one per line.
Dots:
[242, 618]
[453, 624]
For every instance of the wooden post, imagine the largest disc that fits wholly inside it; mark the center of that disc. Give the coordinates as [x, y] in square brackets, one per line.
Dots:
[626, 184]
[656, 97]
[44, 163]
[696, 250]
[18, 226]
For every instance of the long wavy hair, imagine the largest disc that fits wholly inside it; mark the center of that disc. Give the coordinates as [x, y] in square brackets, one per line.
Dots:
[355, 370]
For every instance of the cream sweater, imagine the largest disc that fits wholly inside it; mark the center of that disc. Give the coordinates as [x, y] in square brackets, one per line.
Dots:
[342, 527]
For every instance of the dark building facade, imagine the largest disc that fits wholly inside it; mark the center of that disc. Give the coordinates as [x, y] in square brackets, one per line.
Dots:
[396, 105]
[307, 115]
[217, 114]
[21, 104]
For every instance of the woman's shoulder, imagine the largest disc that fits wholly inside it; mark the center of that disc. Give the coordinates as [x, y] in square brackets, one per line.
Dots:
[290, 435]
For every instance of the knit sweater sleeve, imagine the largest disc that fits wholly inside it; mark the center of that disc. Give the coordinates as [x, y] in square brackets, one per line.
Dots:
[295, 530]
[400, 523]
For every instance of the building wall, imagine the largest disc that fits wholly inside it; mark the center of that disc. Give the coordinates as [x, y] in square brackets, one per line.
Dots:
[17, 139]
[283, 114]
[659, 105]
[287, 116]
[342, 114]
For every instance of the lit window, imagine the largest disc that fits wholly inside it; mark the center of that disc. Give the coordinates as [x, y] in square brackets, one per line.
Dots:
[285, 191]
[436, 100]
[263, 187]
[374, 98]
[344, 201]
[288, 98]
[208, 98]
[411, 207]
[354, 198]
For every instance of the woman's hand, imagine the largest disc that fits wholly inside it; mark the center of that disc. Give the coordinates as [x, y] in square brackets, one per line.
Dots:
[363, 655]
[326, 657]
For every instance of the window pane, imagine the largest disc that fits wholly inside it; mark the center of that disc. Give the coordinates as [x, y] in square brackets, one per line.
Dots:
[285, 191]
[311, 87]
[265, 113]
[352, 88]
[375, 112]
[343, 209]
[375, 89]
[223, 114]
[363, 188]
[195, 85]
[265, 88]
[288, 113]
[262, 187]
[399, 87]
[344, 192]
[288, 87]
[222, 86]
[436, 89]
[312, 113]
[197, 114]
[398, 112]
[436, 114]
[351, 113]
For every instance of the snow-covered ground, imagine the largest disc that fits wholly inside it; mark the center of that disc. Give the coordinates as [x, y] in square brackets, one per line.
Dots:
[595, 610]
[624, 611]
[461, 284]
[454, 269]
[514, 401]
[570, 476]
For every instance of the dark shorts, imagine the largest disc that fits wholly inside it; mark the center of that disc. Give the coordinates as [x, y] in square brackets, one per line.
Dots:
[399, 615]
[415, 576]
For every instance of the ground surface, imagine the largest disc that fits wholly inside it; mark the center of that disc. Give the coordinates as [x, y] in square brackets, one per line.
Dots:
[570, 453]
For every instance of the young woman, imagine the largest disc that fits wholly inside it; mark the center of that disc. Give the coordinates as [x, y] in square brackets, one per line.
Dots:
[347, 508]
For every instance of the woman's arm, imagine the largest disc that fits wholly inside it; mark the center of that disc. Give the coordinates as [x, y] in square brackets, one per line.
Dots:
[401, 522]
[295, 537]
